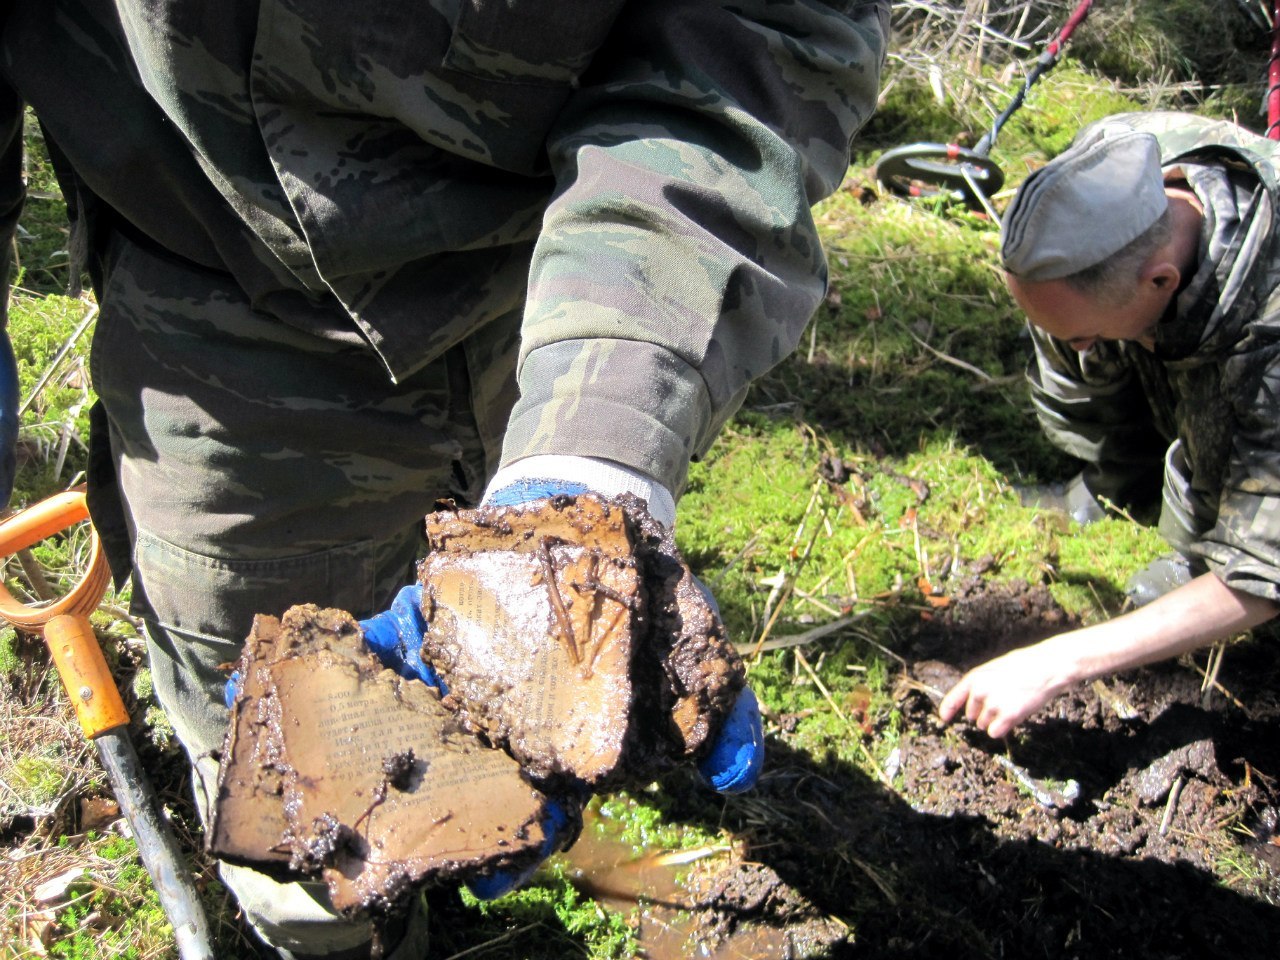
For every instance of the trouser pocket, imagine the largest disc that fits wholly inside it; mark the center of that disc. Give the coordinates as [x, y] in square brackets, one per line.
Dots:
[199, 609]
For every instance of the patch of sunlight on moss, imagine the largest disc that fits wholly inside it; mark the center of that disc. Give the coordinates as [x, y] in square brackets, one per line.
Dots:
[1096, 561]
[1065, 101]
[37, 779]
[637, 820]
[143, 684]
[743, 522]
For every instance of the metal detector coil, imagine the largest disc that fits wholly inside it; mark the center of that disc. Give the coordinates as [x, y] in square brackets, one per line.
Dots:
[933, 169]
[967, 175]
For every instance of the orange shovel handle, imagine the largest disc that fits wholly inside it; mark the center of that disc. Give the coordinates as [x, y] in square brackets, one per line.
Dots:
[92, 690]
[34, 524]
[85, 675]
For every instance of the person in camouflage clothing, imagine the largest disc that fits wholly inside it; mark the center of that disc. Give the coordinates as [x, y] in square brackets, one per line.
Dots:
[1147, 259]
[353, 259]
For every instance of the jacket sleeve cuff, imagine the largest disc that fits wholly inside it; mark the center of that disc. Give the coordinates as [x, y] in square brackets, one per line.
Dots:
[599, 476]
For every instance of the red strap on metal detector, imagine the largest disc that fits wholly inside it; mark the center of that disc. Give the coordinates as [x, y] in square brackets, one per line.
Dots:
[1077, 15]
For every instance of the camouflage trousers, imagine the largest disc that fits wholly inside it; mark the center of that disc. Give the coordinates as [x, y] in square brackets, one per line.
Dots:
[245, 465]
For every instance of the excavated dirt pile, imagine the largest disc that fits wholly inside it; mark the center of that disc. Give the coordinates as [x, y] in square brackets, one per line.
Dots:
[1135, 817]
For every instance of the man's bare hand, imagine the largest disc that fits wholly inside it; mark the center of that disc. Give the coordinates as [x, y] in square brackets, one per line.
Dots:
[1001, 693]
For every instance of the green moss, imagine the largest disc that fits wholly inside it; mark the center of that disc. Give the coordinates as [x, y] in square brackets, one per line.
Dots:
[1096, 561]
[129, 920]
[38, 778]
[143, 685]
[159, 728]
[566, 921]
[641, 822]
[10, 662]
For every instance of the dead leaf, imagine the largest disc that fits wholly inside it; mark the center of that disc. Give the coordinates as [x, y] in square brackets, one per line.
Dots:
[55, 889]
[97, 812]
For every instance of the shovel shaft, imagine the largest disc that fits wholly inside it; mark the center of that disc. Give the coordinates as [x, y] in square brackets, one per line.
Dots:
[156, 845]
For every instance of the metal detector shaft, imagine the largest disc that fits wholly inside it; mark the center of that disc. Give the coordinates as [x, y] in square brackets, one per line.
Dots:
[1273, 76]
[1048, 60]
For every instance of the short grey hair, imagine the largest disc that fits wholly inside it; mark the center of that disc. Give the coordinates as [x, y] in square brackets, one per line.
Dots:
[1111, 280]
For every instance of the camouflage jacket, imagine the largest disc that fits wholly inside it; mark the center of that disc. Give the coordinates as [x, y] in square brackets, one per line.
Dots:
[638, 174]
[1213, 381]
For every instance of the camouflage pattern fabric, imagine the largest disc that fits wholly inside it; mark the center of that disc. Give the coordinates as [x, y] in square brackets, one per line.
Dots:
[350, 258]
[347, 169]
[1212, 385]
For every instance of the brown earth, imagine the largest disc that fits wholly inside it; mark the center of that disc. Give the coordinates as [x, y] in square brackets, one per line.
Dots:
[982, 849]
[1062, 841]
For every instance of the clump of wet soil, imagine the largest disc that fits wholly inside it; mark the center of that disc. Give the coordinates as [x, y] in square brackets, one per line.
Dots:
[1130, 818]
[557, 624]
[340, 767]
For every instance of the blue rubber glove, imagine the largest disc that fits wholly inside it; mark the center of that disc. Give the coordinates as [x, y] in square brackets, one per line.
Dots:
[736, 758]
[395, 637]
[501, 882]
[8, 417]
[232, 689]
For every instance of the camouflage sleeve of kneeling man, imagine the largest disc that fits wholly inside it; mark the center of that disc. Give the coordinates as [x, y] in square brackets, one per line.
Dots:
[1243, 547]
[679, 259]
[1093, 405]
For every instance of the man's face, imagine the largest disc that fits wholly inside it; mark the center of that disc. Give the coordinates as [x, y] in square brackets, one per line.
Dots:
[1071, 316]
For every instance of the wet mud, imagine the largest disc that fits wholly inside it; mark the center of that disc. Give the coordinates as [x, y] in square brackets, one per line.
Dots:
[1130, 818]
[338, 767]
[706, 902]
[563, 628]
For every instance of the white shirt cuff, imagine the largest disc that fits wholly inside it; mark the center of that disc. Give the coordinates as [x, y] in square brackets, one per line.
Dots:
[604, 477]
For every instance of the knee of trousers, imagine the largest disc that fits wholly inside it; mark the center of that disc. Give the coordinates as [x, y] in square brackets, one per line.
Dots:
[1184, 513]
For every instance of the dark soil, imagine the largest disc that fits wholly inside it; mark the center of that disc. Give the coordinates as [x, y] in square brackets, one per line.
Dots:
[1131, 819]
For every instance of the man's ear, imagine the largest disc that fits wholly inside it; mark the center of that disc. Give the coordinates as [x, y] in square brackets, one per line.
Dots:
[1161, 275]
